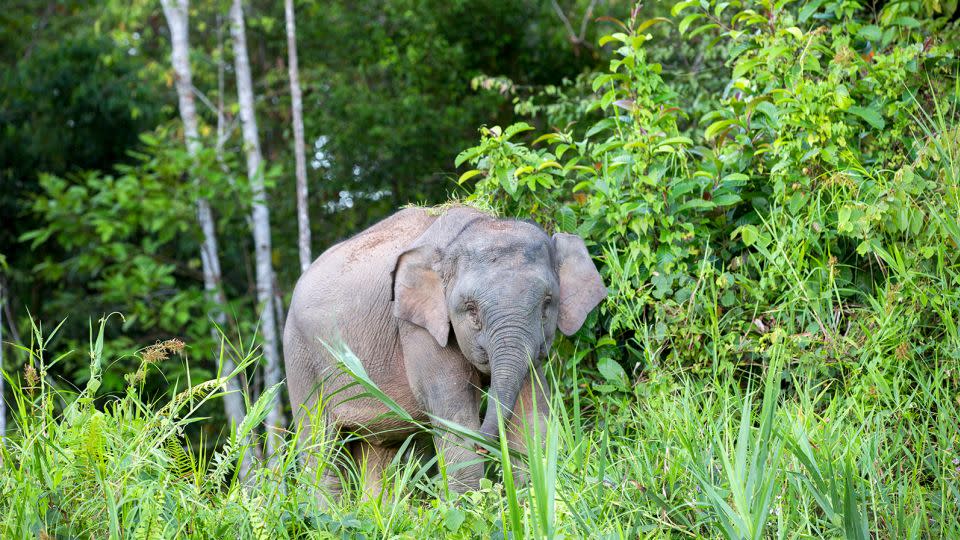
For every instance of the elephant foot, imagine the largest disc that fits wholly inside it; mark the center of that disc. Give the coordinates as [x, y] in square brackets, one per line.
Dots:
[373, 461]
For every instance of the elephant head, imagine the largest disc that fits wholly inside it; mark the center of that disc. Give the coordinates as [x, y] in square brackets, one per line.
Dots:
[504, 286]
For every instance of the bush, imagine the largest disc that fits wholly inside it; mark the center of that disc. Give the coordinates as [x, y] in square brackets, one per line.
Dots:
[813, 202]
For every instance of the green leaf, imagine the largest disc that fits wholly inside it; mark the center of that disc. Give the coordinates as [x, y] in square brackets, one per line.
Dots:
[870, 245]
[604, 124]
[508, 181]
[872, 116]
[735, 179]
[702, 29]
[749, 234]
[522, 171]
[841, 97]
[467, 154]
[676, 141]
[795, 32]
[685, 23]
[770, 110]
[745, 66]
[871, 32]
[715, 128]
[677, 8]
[549, 137]
[726, 199]
[697, 204]
[650, 22]
[807, 10]
[513, 129]
[682, 188]
[601, 80]
[606, 341]
[549, 165]
[616, 36]
[586, 184]
[843, 218]
[568, 220]
[907, 22]
[352, 366]
[467, 175]
[453, 519]
[611, 371]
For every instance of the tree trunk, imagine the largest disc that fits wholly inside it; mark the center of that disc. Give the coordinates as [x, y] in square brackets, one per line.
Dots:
[3, 404]
[261, 222]
[296, 106]
[177, 14]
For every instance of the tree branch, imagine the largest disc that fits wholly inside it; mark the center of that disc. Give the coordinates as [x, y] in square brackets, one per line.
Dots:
[586, 19]
[563, 18]
[575, 39]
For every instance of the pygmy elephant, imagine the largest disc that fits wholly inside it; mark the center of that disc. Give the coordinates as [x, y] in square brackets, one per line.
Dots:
[393, 293]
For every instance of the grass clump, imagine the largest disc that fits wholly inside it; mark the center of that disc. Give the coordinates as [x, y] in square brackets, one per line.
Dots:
[768, 455]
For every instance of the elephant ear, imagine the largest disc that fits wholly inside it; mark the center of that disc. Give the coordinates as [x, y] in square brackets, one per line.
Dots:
[581, 288]
[418, 284]
[418, 292]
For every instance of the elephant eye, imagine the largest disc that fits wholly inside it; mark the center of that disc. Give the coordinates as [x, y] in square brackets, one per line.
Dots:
[474, 312]
[547, 302]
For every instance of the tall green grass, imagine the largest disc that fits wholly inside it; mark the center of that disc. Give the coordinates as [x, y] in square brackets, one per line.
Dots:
[765, 455]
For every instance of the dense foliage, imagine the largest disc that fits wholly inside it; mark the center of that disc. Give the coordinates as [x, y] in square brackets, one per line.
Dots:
[771, 190]
[813, 199]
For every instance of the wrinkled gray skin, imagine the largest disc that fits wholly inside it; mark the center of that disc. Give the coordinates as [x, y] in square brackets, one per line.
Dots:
[392, 294]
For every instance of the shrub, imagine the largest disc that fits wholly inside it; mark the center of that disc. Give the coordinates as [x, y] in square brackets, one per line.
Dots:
[813, 202]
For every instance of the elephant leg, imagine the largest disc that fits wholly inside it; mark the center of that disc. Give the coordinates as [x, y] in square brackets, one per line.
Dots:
[319, 449]
[317, 434]
[321, 459]
[373, 460]
[530, 416]
[448, 389]
[462, 465]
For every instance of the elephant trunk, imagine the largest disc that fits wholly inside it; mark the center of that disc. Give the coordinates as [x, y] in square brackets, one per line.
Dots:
[509, 369]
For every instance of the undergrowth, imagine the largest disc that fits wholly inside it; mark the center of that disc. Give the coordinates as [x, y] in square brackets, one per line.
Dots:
[765, 455]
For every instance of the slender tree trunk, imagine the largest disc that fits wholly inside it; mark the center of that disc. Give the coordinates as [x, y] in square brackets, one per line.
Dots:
[279, 308]
[261, 222]
[3, 404]
[177, 14]
[296, 106]
[12, 324]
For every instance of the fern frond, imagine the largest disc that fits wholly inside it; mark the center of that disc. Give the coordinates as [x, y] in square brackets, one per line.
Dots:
[257, 523]
[182, 464]
[150, 526]
[94, 441]
[199, 391]
[231, 450]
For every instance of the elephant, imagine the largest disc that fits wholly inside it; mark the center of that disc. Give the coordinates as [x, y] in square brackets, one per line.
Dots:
[392, 294]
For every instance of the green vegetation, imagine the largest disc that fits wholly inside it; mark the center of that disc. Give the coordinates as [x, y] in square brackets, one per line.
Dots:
[819, 197]
[770, 189]
[779, 457]
[87, 96]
